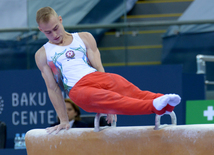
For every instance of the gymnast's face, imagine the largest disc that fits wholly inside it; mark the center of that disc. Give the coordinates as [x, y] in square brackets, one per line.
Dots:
[70, 111]
[53, 29]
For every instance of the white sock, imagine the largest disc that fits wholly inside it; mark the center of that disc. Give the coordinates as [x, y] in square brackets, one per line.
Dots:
[174, 99]
[160, 102]
[167, 112]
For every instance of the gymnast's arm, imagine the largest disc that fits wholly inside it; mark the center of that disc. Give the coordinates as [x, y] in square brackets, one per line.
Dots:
[54, 91]
[93, 54]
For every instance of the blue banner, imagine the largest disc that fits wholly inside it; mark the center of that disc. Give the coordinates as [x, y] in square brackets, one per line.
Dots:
[24, 102]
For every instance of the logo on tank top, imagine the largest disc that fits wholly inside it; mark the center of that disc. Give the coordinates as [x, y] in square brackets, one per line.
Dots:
[70, 54]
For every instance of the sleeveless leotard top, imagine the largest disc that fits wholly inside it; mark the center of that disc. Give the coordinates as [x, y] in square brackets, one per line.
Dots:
[68, 63]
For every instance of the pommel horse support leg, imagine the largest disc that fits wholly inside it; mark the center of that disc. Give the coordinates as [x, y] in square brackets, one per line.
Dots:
[161, 140]
[97, 127]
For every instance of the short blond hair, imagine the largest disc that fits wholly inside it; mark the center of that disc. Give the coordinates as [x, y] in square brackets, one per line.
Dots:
[44, 14]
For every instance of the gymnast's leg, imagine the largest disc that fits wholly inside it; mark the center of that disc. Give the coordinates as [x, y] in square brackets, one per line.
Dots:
[109, 102]
[111, 93]
[126, 88]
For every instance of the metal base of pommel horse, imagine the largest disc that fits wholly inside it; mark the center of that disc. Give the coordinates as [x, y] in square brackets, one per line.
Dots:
[158, 118]
[97, 127]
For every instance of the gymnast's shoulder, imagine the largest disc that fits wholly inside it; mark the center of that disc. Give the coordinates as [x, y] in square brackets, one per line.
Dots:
[40, 55]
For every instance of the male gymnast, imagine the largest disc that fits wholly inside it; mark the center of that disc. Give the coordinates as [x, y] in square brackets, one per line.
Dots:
[74, 59]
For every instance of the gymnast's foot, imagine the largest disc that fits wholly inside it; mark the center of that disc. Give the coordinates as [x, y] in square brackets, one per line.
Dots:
[161, 102]
[174, 101]
[166, 103]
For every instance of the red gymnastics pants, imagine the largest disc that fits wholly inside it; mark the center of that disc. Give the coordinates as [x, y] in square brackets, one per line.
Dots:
[112, 94]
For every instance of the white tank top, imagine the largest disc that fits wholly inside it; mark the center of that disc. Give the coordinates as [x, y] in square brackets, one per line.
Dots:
[68, 63]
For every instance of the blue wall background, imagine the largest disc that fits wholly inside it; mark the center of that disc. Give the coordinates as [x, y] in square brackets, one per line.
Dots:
[26, 104]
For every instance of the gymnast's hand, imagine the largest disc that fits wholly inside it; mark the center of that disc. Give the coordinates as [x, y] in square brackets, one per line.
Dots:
[110, 118]
[57, 128]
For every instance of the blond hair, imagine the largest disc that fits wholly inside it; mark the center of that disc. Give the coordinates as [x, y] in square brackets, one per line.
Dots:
[44, 14]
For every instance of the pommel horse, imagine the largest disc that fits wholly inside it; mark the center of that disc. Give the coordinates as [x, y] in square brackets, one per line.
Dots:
[170, 139]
